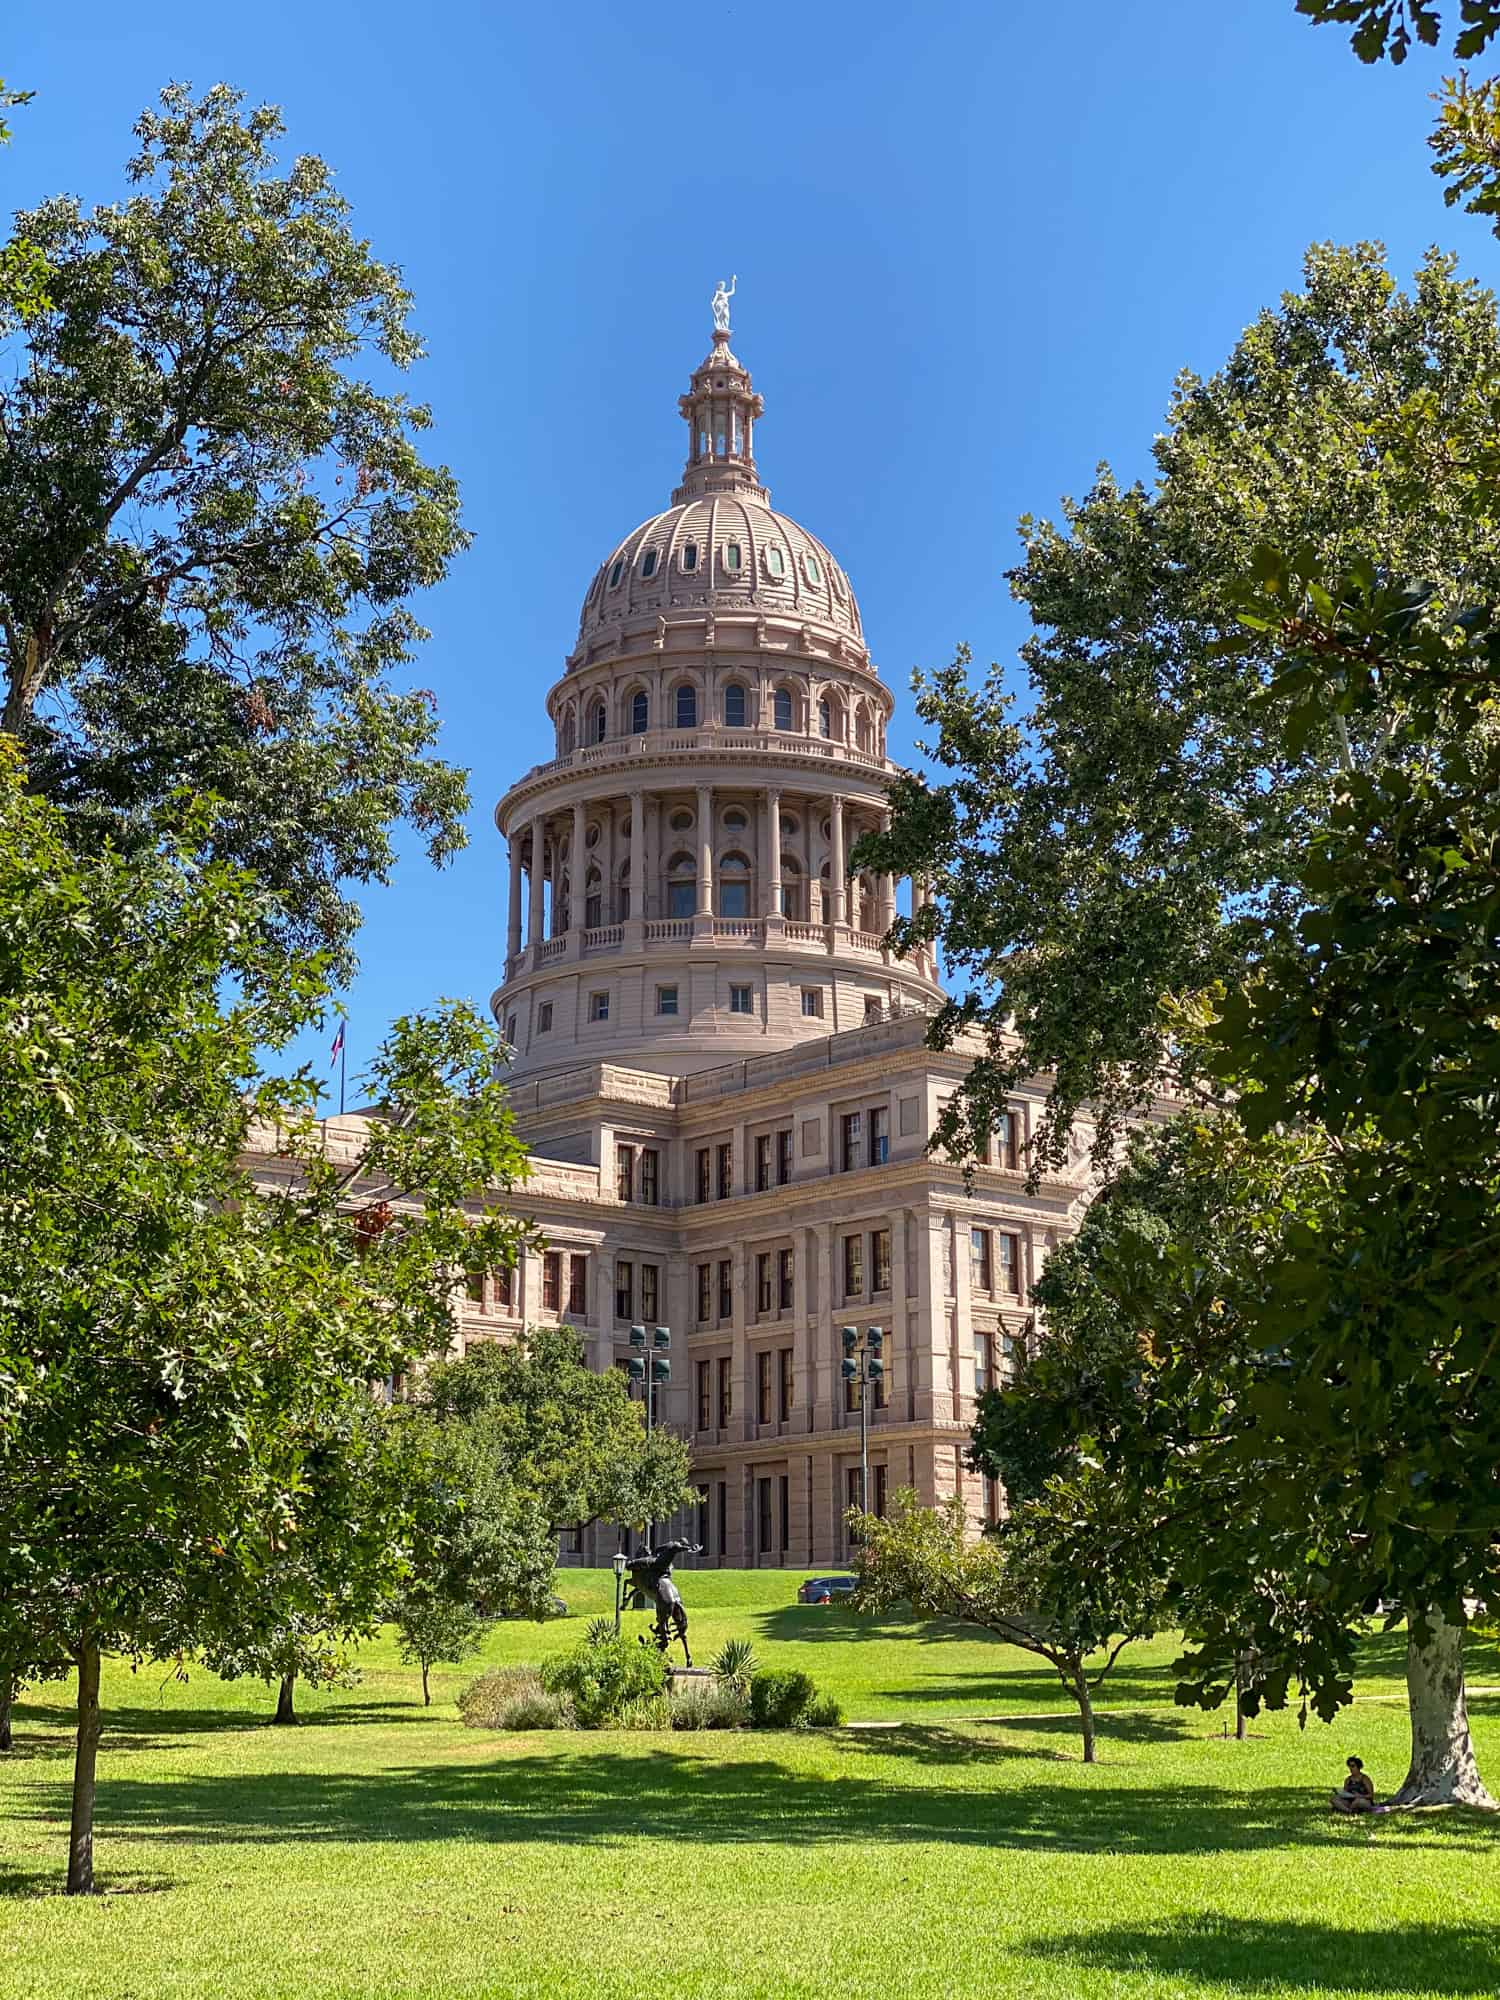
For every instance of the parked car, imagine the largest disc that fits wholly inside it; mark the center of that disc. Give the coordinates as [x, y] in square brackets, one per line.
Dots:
[824, 1589]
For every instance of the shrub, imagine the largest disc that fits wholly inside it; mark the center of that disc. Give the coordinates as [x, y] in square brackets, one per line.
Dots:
[824, 1713]
[735, 1661]
[598, 1630]
[513, 1698]
[603, 1679]
[646, 1711]
[722, 1704]
[780, 1698]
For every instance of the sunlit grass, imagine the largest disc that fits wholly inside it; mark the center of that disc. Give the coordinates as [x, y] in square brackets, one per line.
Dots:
[378, 1849]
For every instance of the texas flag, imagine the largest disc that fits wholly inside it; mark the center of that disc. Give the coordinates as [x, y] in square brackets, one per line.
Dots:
[338, 1046]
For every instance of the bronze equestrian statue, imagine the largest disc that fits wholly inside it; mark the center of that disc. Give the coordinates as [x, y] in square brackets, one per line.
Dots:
[651, 1576]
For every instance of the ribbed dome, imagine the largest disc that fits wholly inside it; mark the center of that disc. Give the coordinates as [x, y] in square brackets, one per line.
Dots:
[730, 550]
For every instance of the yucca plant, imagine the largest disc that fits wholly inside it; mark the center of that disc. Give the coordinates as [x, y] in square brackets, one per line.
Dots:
[598, 1631]
[735, 1661]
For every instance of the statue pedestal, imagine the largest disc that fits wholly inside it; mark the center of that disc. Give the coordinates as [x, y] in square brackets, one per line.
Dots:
[691, 1674]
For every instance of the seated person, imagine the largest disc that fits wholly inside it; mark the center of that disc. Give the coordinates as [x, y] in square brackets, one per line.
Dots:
[1357, 1794]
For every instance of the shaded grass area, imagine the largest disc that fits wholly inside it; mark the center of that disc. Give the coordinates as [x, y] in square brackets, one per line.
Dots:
[382, 1849]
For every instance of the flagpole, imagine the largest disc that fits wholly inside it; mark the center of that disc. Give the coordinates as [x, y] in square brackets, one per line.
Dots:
[343, 1064]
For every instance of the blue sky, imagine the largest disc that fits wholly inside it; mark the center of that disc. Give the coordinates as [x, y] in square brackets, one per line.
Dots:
[974, 242]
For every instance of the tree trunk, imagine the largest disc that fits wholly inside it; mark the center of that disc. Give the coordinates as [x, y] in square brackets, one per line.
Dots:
[1085, 1713]
[1443, 1771]
[7, 1696]
[284, 1710]
[1241, 1727]
[85, 1759]
[426, 1697]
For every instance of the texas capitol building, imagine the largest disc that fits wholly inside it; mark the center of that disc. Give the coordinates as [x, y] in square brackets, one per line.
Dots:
[720, 1069]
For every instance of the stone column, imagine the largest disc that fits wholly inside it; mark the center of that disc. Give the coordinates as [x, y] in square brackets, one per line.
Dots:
[886, 886]
[637, 857]
[705, 851]
[513, 916]
[804, 1247]
[538, 880]
[900, 1355]
[836, 863]
[577, 911]
[773, 855]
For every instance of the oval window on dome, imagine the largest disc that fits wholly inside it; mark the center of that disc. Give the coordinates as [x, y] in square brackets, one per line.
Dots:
[775, 561]
[680, 822]
[810, 566]
[733, 555]
[616, 571]
[735, 821]
[690, 555]
[648, 563]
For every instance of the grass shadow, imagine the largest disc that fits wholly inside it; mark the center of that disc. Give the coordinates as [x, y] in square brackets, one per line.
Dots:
[1248, 1954]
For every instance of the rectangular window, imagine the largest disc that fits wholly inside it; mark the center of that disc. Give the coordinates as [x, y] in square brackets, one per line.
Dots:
[788, 1379]
[785, 1274]
[705, 1293]
[650, 1176]
[851, 1128]
[1010, 1262]
[763, 1281]
[854, 1266]
[726, 1393]
[763, 1515]
[786, 1513]
[783, 1157]
[742, 999]
[544, 1018]
[705, 1174]
[851, 1395]
[812, 1003]
[701, 1513]
[853, 1495]
[763, 1386]
[578, 1285]
[624, 1289]
[666, 999]
[881, 1383]
[763, 1163]
[505, 1287]
[981, 1364]
[723, 1521]
[979, 1260]
[1008, 1139]
[552, 1280]
[872, 1008]
[598, 1002]
[879, 1477]
[705, 1398]
[726, 1171]
[649, 1300]
[880, 1135]
[624, 1173]
[726, 1288]
[880, 1260]
[474, 1288]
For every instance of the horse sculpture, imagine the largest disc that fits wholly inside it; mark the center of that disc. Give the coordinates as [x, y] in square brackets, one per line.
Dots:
[651, 1576]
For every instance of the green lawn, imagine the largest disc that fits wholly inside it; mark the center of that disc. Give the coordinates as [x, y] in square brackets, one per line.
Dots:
[380, 1850]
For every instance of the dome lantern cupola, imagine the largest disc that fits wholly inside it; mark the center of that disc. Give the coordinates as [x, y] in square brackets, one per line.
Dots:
[721, 408]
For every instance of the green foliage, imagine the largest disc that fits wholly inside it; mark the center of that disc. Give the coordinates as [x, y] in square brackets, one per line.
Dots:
[1141, 836]
[212, 522]
[606, 1680]
[735, 1661]
[598, 1630]
[721, 1704]
[431, 1627]
[824, 1713]
[1387, 27]
[513, 1698]
[780, 1698]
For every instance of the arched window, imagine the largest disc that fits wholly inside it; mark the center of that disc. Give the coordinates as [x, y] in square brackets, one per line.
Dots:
[734, 886]
[622, 892]
[682, 886]
[598, 723]
[640, 712]
[782, 706]
[734, 706]
[616, 571]
[733, 556]
[735, 821]
[690, 556]
[791, 889]
[810, 566]
[862, 728]
[775, 562]
[825, 720]
[687, 706]
[593, 900]
[648, 563]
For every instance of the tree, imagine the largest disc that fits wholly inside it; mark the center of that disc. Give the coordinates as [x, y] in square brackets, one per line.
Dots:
[1387, 27]
[1139, 836]
[1012, 1584]
[23, 268]
[212, 523]
[176, 1341]
[432, 1628]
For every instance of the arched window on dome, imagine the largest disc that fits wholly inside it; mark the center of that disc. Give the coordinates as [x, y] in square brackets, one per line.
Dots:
[687, 706]
[598, 723]
[862, 727]
[648, 563]
[791, 889]
[682, 886]
[775, 563]
[622, 892]
[689, 557]
[734, 886]
[593, 900]
[734, 557]
[781, 708]
[616, 571]
[640, 712]
[825, 721]
[734, 706]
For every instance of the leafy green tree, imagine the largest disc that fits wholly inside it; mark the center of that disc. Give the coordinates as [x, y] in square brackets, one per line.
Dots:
[213, 522]
[1013, 1584]
[1139, 834]
[177, 1342]
[23, 268]
[431, 1627]
[1387, 28]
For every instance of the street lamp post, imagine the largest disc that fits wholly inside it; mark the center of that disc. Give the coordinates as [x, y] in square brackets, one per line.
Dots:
[619, 1567]
[864, 1363]
[653, 1371]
